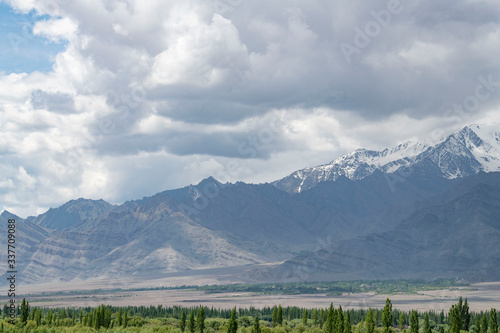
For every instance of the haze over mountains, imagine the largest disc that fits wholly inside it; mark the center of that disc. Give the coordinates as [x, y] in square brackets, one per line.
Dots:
[419, 210]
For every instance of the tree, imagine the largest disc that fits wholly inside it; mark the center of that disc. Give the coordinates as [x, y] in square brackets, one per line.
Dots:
[125, 318]
[493, 321]
[477, 328]
[280, 315]
[347, 324]
[49, 317]
[191, 322]
[200, 319]
[340, 320]
[25, 311]
[315, 317]
[304, 318]
[183, 320]
[464, 314]
[414, 321]
[232, 326]
[402, 321]
[455, 319]
[387, 315]
[119, 317]
[256, 325]
[441, 329]
[484, 324]
[38, 317]
[329, 324]
[275, 316]
[427, 325]
[370, 324]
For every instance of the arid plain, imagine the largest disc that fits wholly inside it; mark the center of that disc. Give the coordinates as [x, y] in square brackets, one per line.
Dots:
[481, 296]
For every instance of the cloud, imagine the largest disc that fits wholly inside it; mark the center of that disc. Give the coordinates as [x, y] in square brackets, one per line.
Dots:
[152, 95]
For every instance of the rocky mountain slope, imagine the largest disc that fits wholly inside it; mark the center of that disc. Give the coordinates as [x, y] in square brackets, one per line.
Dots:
[455, 235]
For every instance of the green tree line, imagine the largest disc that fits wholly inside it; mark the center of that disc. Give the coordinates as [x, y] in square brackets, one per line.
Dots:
[277, 319]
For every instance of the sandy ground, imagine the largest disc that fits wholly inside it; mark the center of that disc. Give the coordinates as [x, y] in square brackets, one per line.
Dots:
[482, 296]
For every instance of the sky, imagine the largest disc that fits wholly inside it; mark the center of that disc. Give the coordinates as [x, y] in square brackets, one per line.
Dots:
[122, 99]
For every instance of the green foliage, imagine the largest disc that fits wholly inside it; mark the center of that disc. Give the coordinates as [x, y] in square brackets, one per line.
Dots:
[402, 321]
[256, 325]
[280, 315]
[387, 315]
[190, 325]
[414, 321]
[158, 319]
[339, 320]
[200, 319]
[183, 320]
[493, 321]
[370, 323]
[25, 311]
[336, 287]
[275, 316]
[329, 324]
[119, 317]
[347, 324]
[427, 326]
[232, 326]
[484, 324]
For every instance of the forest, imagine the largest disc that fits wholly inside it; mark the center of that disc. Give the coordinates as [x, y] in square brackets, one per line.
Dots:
[277, 319]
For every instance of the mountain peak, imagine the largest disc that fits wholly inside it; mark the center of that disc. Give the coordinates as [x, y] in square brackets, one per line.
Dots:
[473, 149]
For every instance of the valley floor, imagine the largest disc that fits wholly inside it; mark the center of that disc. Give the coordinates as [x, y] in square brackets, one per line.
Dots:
[481, 296]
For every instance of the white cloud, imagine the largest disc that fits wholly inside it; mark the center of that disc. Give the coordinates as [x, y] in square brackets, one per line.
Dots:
[56, 30]
[151, 95]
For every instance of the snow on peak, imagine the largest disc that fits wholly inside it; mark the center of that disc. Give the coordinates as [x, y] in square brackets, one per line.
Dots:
[473, 149]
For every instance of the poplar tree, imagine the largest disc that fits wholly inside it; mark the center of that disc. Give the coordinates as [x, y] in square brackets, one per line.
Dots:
[315, 317]
[280, 315]
[232, 326]
[370, 324]
[183, 320]
[340, 320]
[387, 315]
[493, 321]
[191, 322]
[25, 311]
[200, 319]
[414, 321]
[484, 324]
[275, 316]
[347, 324]
[329, 324]
[477, 328]
[427, 325]
[119, 317]
[38, 317]
[256, 325]
[402, 321]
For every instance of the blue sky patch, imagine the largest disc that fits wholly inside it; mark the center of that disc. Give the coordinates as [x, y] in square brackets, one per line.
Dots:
[20, 50]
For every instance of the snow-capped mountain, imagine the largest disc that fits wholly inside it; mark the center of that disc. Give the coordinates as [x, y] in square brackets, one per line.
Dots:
[473, 149]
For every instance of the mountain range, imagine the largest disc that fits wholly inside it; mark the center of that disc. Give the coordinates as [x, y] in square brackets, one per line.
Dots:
[419, 210]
